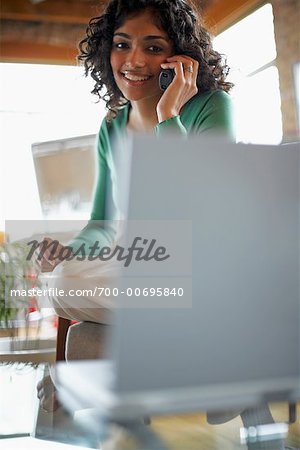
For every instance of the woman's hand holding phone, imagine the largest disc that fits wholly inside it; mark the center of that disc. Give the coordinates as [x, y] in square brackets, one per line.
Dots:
[182, 88]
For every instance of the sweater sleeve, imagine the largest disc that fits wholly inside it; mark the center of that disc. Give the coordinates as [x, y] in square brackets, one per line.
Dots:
[209, 113]
[216, 116]
[172, 125]
[97, 229]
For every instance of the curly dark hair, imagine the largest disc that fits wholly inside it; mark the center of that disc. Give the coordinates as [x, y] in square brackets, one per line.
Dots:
[184, 26]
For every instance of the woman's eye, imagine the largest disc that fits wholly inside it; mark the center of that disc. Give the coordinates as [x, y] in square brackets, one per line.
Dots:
[155, 49]
[120, 45]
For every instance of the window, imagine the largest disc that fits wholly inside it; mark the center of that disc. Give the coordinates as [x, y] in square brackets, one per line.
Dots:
[39, 103]
[251, 53]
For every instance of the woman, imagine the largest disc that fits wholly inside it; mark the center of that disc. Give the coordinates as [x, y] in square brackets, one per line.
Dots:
[124, 51]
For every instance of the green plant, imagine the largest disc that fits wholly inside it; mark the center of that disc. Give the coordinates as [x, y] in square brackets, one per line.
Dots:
[17, 276]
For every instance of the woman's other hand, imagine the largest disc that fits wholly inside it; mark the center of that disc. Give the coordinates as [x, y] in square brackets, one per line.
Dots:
[182, 88]
[50, 254]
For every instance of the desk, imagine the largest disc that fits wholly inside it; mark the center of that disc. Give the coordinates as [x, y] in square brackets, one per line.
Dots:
[192, 432]
[178, 432]
[27, 350]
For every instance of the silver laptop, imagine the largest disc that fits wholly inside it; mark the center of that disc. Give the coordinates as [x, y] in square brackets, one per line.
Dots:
[228, 216]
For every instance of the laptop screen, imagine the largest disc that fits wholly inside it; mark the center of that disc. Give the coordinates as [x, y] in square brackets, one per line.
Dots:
[228, 215]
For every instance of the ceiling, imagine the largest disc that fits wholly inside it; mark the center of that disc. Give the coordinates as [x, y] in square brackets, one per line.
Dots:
[48, 30]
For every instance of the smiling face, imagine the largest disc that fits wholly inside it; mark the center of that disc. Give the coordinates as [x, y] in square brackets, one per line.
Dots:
[139, 47]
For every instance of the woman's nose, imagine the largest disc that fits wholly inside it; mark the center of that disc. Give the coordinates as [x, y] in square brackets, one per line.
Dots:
[135, 59]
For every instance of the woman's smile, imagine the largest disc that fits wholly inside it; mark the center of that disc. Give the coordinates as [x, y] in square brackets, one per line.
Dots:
[136, 79]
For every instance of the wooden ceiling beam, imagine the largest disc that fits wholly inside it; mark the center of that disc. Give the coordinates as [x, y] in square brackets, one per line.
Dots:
[49, 11]
[221, 14]
[37, 53]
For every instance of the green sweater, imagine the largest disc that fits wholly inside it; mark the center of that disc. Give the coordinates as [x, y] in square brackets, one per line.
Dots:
[206, 113]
